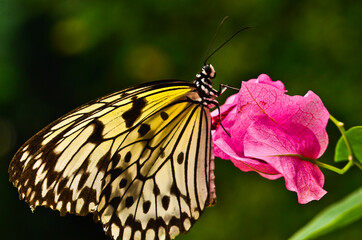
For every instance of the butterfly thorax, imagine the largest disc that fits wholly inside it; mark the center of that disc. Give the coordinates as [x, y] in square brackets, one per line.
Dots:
[204, 86]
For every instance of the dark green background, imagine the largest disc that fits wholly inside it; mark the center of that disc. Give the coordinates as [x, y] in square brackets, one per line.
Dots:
[54, 57]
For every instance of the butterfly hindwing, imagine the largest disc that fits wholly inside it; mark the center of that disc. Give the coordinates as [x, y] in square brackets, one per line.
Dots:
[168, 195]
[139, 159]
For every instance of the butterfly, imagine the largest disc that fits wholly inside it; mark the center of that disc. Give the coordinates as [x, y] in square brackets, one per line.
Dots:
[140, 160]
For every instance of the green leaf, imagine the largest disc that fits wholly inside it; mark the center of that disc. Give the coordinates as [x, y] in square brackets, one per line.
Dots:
[354, 136]
[333, 217]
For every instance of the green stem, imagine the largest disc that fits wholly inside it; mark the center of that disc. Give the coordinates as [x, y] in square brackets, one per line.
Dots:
[358, 164]
[335, 169]
[321, 164]
[340, 126]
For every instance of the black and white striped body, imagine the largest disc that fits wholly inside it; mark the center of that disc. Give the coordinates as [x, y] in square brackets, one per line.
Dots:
[203, 83]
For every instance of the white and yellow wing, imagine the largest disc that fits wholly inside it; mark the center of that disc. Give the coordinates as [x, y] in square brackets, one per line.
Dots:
[139, 159]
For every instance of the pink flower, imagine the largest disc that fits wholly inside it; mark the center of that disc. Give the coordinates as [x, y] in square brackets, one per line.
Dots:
[270, 133]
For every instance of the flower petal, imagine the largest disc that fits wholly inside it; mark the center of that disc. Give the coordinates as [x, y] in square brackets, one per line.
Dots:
[272, 132]
[263, 78]
[247, 164]
[276, 144]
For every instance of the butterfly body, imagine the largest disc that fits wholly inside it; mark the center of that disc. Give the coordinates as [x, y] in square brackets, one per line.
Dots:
[140, 160]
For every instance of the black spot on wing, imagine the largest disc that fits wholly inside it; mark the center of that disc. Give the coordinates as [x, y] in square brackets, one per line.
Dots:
[146, 206]
[165, 202]
[123, 183]
[115, 202]
[115, 160]
[114, 173]
[180, 158]
[128, 156]
[164, 115]
[131, 115]
[129, 201]
[96, 136]
[144, 129]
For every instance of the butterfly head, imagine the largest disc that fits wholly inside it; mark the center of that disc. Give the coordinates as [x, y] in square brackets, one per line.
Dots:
[206, 74]
[208, 71]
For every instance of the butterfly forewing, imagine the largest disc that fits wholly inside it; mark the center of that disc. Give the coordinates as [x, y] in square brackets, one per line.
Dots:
[139, 159]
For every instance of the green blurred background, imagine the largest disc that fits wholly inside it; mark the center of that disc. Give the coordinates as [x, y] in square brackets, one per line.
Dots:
[56, 56]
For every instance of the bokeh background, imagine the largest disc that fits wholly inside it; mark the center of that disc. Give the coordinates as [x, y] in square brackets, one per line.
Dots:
[57, 55]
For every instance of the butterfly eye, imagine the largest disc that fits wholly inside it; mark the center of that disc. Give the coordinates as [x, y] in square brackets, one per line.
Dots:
[209, 71]
[206, 70]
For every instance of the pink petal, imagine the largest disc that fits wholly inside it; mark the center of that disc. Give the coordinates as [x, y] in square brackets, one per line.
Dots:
[247, 164]
[266, 126]
[271, 142]
[263, 78]
[258, 100]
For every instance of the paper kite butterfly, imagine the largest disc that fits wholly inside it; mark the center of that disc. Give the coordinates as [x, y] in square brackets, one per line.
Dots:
[140, 160]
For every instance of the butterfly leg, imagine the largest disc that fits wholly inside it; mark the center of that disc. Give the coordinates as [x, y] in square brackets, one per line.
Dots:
[213, 103]
[223, 88]
[218, 108]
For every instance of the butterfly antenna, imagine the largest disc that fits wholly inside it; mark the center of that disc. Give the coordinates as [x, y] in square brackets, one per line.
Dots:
[213, 38]
[217, 49]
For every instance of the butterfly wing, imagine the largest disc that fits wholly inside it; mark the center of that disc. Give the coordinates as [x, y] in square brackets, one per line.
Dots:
[139, 159]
